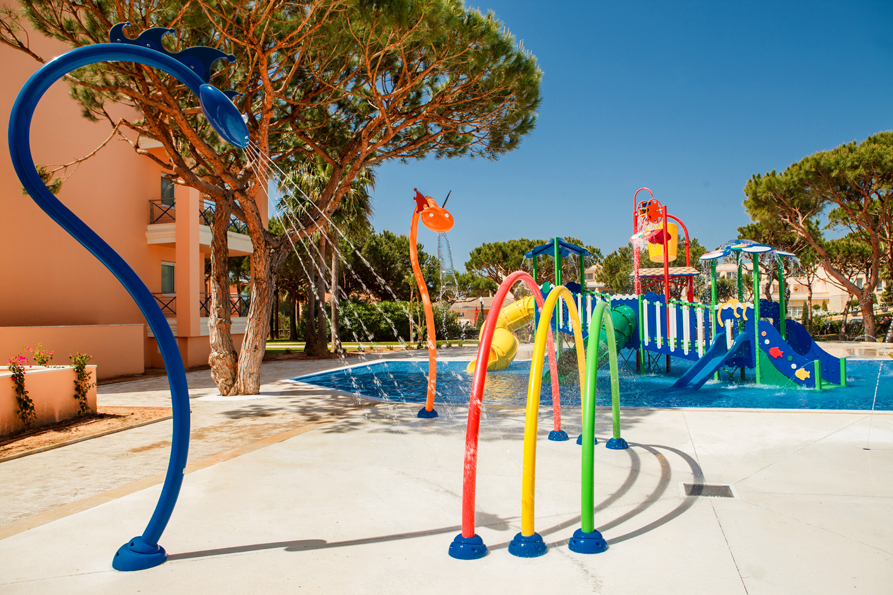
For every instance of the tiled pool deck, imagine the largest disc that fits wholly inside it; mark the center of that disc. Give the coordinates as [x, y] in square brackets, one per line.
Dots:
[306, 491]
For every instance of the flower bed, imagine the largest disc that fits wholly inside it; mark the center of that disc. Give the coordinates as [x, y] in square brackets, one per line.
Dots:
[51, 390]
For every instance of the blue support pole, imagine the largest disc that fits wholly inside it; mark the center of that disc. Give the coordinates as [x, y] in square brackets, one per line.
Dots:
[143, 551]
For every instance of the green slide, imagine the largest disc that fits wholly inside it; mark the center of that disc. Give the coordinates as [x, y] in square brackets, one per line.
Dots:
[625, 324]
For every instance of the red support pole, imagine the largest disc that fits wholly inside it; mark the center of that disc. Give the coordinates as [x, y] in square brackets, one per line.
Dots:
[469, 481]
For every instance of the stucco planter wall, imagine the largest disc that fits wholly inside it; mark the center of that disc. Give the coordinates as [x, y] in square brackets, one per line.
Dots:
[51, 390]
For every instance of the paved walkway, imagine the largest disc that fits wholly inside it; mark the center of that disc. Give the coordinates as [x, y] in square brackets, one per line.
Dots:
[303, 490]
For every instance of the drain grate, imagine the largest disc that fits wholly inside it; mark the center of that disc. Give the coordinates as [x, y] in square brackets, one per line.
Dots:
[707, 490]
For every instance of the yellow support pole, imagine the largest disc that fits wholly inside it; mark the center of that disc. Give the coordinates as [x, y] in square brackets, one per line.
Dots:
[528, 480]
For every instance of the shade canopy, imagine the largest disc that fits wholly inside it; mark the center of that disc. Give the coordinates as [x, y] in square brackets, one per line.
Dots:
[564, 249]
[757, 249]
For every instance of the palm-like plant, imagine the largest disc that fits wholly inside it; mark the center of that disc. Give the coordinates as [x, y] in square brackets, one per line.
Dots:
[350, 219]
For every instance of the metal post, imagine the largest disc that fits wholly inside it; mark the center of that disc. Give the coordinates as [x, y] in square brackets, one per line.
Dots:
[556, 263]
[756, 316]
[782, 301]
[713, 312]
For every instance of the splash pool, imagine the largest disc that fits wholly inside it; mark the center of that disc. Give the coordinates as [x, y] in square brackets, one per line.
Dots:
[406, 381]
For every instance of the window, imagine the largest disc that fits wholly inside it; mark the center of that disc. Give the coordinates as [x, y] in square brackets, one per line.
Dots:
[859, 282]
[167, 192]
[796, 312]
[168, 277]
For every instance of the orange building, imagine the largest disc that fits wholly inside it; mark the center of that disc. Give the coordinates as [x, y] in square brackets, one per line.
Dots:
[53, 290]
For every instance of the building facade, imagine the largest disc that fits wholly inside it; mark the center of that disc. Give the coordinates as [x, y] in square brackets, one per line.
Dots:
[54, 291]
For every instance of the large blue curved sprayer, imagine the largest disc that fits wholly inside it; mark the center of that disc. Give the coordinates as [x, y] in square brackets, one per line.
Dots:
[192, 67]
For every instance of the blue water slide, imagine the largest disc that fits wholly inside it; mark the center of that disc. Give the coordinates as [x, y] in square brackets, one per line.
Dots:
[713, 360]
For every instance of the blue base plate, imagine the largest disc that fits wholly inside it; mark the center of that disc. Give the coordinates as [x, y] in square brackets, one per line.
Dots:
[425, 414]
[587, 543]
[580, 440]
[468, 548]
[136, 555]
[558, 436]
[531, 546]
[617, 444]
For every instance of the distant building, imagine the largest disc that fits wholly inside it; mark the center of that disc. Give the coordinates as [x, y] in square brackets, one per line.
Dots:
[471, 308]
[54, 291]
[825, 294]
[592, 282]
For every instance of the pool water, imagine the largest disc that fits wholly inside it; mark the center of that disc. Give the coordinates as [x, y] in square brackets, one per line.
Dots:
[407, 381]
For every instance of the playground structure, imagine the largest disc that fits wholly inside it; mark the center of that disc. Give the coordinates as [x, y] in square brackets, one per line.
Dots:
[437, 219]
[192, 67]
[714, 336]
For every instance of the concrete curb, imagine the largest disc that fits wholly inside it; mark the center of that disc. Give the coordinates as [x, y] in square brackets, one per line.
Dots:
[82, 438]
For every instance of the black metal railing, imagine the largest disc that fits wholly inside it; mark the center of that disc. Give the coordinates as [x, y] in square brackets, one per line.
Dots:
[165, 211]
[238, 304]
[167, 302]
[209, 211]
[162, 211]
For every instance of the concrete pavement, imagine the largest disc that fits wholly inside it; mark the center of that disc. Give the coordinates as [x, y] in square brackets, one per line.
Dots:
[304, 490]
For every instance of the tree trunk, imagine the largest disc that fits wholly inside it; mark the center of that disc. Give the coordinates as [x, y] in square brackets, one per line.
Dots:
[274, 318]
[333, 289]
[768, 290]
[263, 284]
[846, 315]
[223, 353]
[809, 304]
[322, 341]
[292, 315]
[310, 329]
[867, 308]
[411, 321]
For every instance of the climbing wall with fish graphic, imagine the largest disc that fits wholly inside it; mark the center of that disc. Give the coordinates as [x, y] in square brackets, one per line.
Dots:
[784, 363]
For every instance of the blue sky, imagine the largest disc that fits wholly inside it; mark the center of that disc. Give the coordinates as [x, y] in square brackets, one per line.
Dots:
[687, 98]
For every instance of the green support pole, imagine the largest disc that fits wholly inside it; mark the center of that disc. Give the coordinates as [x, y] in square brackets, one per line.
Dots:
[782, 305]
[713, 312]
[817, 366]
[533, 269]
[756, 316]
[587, 476]
[740, 287]
[843, 371]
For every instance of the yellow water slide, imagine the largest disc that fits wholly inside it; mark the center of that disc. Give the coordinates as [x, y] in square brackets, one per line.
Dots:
[505, 345]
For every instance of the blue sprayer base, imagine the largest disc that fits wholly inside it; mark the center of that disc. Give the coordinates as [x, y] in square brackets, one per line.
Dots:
[587, 543]
[558, 436]
[136, 555]
[529, 546]
[468, 548]
[617, 444]
[580, 440]
[425, 414]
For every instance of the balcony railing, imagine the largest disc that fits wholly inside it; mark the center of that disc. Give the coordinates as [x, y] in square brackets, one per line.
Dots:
[208, 213]
[238, 304]
[167, 302]
[162, 211]
[165, 211]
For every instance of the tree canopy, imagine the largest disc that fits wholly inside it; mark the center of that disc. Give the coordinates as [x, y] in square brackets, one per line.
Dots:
[343, 84]
[847, 188]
